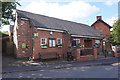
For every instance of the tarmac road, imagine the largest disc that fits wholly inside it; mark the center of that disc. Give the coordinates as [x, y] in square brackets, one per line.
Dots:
[101, 71]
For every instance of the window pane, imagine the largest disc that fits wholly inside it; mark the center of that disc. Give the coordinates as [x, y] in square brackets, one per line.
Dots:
[59, 41]
[43, 41]
[97, 41]
[50, 43]
[53, 43]
[73, 43]
[77, 41]
[104, 43]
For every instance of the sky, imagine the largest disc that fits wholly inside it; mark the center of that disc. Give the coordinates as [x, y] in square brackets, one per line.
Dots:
[80, 11]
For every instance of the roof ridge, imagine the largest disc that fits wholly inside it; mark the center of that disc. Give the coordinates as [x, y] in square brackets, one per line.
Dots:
[101, 21]
[39, 20]
[52, 17]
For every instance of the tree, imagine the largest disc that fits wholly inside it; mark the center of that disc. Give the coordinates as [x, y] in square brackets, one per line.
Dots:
[7, 10]
[115, 34]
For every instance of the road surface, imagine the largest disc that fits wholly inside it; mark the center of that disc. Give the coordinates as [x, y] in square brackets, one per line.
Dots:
[106, 71]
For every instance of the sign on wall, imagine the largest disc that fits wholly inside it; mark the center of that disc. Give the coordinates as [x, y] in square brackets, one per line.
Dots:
[23, 45]
[35, 34]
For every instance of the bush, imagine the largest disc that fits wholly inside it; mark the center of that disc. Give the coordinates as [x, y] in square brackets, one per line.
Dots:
[4, 34]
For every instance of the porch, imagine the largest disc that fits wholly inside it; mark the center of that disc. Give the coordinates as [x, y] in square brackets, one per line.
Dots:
[85, 49]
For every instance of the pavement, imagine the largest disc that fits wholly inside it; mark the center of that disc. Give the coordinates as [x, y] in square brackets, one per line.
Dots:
[23, 66]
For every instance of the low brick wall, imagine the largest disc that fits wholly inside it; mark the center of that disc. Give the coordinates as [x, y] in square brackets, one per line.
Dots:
[86, 57]
[116, 53]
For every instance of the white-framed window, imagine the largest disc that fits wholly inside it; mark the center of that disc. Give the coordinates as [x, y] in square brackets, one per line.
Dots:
[51, 43]
[59, 41]
[97, 41]
[43, 42]
[75, 42]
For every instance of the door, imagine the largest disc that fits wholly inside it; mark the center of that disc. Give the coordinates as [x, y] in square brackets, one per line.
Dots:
[87, 43]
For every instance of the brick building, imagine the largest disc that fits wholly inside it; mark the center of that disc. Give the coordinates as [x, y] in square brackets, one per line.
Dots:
[103, 27]
[36, 35]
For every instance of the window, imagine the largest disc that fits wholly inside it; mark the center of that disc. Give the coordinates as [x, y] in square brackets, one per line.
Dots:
[43, 42]
[97, 41]
[75, 42]
[103, 43]
[51, 43]
[59, 41]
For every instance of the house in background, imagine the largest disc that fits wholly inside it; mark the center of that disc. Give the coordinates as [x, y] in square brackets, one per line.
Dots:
[104, 28]
[37, 35]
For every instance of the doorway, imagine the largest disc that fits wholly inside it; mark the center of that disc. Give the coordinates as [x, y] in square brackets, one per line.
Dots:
[87, 43]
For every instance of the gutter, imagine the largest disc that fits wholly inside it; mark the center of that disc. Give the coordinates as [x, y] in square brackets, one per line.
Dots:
[87, 36]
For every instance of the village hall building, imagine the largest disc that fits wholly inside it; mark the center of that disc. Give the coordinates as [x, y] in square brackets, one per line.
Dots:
[40, 36]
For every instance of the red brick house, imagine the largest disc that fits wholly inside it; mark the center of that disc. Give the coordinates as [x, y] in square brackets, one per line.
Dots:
[103, 27]
[36, 35]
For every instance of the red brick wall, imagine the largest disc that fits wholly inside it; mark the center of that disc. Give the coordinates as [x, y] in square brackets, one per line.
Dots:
[46, 34]
[24, 36]
[105, 30]
[67, 43]
[102, 28]
[24, 33]
[87, 57]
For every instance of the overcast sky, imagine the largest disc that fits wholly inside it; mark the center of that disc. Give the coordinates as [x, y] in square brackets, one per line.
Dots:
[81, 11]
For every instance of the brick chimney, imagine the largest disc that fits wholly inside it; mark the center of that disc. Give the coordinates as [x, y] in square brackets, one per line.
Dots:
[99, 17]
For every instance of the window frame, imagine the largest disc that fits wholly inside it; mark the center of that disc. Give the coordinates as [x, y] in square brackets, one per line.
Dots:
[60, 41]
[76, 41]
[43, 44]
[97, 41]
[52, 43]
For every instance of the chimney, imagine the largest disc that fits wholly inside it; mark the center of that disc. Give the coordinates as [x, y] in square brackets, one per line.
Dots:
[99, 17]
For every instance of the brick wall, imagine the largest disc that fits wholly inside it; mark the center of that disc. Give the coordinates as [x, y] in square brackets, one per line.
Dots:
[46, 34]
[102, 28]
[105, 30]
[24, 36]
[93, 42]
[67, 43]
[116, 52]
[24, 33]
[87, 57]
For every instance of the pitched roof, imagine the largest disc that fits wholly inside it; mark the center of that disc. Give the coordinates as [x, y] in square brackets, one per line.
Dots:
[102, 22]
[72, 28]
